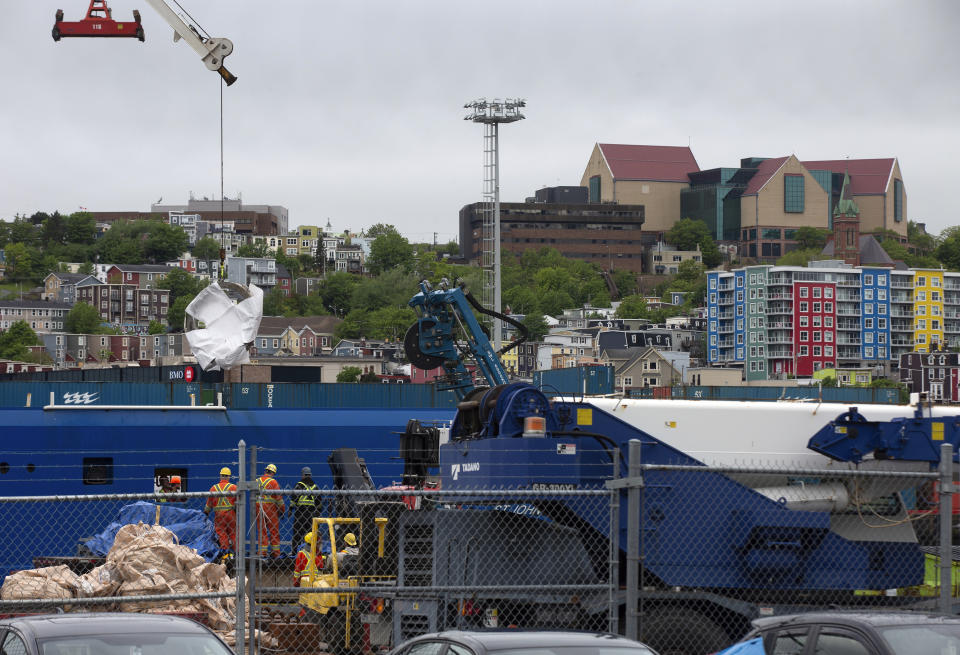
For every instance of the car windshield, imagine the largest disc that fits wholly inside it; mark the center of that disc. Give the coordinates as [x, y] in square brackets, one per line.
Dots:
[134, 644]
[578, 650]
[932, 639]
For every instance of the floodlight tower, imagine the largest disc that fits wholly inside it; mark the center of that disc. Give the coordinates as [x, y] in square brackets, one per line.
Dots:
[491, 113]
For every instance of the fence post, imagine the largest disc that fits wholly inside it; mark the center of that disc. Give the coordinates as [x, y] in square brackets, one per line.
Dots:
[254, 549]
[241, 543]
[946, 527]
[633, 541]
[613, 612]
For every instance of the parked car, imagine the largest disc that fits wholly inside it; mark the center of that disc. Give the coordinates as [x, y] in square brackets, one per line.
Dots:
[107, 634]
[842, 632]
[519, 642]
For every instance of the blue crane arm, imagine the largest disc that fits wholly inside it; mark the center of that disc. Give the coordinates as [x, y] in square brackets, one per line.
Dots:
[431, 339]
[851, 437]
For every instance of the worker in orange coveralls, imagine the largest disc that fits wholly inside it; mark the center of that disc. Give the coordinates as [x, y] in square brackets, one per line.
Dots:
[224, 510]
[270, 507]
[303, 558]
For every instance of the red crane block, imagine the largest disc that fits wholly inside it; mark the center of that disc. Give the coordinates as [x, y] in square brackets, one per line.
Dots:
[98, 23]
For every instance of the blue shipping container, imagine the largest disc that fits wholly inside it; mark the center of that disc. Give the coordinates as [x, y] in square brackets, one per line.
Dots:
[581, 380]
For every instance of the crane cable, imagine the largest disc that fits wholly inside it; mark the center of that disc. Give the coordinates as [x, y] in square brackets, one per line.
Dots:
[223, 246]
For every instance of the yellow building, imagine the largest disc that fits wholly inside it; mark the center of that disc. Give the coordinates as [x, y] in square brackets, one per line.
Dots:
[510, 362]
[928, 327]
[310, 236]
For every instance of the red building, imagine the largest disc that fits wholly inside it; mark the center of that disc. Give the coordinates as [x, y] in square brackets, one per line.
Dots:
[814, 327]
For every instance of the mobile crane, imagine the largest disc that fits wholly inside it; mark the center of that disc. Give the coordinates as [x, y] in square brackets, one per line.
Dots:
[99, 23]
[717, 548]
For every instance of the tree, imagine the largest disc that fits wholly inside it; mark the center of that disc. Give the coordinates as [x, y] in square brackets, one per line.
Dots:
[274, 302]
[207, 249]
[165, 242]
[156, 327]
[369, 377]
[552, 303]
[306, 261]
[948, 251]
[690, 271]
[895, 249]
[537, 327]
[23, 231]
[14, 341]
[178, 313]
[181, 284]
[81, 227]
[811, 237]
[800, 257]
[258, 249]
[54, 229]
[390, 251]
[336, 291]
[349, 374]
[82, 319]
[688, 233]
[923, 242]
[521, 299]
[20, 261]
[626, 282]
[632, 307]
[380, 229]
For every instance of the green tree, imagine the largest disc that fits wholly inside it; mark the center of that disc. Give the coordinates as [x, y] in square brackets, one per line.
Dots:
[306, 262]
[22, 230]
[81, 227]
[207, 249]
[54, 229]
[369, 377]
[922, 242]
[690, 271]
[336, 291]
[181, 284]
[259, 249]
[626, 282]
[349, 374]
[274, 302]
[20, 261]
[553, 302]
[14, 341]
[156, 327]
[390, 251]
[87, 268]
[800, 257]
[82, 319]
[537, 327]
[895, 249]
[178, 313]
[688, 233]
[632, 307]
[811, 237]
[165, 242]
[380, 229]
[948, 251]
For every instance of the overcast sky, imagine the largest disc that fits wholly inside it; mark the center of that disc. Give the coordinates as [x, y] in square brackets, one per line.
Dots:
[352, 111]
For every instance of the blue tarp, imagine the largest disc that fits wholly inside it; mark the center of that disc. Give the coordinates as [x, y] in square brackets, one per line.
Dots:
[191, 526]
[752, 647]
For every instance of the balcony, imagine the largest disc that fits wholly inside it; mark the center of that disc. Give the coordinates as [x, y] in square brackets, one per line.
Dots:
[848, 341]
[780, 353]
[848, 325]
[779, 296]
[852, 281]
[779, 308]
[901, 313]
[901, 342]
[849, 297]
[780, 338]
[781, 325]
[901, 296]
[901, 281]
[848, 311]
[725, 329]
[725, 315]
[724, 287]
[726, 343]
[848, 352]
[725, 301]
[951, 284]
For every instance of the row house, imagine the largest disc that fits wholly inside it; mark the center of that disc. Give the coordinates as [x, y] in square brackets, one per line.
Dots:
[647, 367]
[62, 287]
[197, 267]
[284, 280]
[127, 305]
[142, 276]
[388, 350]
[77, 350]
[302, 336]
[193, 224]
[41, 316]
[936, 373]
[776, 321]
[261, 271]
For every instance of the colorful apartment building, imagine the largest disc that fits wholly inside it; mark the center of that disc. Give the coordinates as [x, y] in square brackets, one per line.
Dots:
[779, 321]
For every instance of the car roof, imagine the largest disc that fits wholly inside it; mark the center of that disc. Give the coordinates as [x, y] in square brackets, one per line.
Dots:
[874, 618]
[497, 639]
[60, 625]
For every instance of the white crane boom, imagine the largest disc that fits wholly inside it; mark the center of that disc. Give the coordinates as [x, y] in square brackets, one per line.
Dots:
[211, 50]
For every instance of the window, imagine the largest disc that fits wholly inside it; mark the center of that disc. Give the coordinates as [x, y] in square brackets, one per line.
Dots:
[828, 335]
[868, 308]
[817, 307]
[739, 296]
[804, 292]
[817, 350]
[816, 320]
[817, 291]
[898, 201]
[828, 351]
[921, 281]
[804, 307]
[881, 294]
[868, 337]
[595, 188]
[804, 321]
[867, 278]
[881, 324]
[868, 323]
[97, 470]
[804, 335]
[827, 321]
[713, 283]
[804, 351]
[793, 194]
[828, 292]
[868, 294]
[868, 351]
[816, 336]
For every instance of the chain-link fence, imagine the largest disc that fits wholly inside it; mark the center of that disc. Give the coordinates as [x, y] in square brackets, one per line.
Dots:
[683, 557]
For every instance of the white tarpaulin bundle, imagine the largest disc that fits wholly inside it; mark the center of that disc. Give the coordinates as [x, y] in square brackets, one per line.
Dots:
[227, 327]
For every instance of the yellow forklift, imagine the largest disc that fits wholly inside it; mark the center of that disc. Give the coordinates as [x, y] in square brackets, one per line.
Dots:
[339, 605]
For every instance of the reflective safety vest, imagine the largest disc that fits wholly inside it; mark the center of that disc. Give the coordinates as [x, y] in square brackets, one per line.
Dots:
[264, 482]
[305, 500]
[222, 503]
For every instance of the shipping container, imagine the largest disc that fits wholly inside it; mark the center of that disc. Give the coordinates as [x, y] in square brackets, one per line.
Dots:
[583, 380]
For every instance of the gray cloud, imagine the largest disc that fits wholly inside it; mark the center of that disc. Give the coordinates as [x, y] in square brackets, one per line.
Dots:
[352, 111]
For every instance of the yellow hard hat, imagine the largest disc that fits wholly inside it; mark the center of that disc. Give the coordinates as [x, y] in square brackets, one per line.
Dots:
[308, 537]
[271, 468]
[225, 471]
[349, 539]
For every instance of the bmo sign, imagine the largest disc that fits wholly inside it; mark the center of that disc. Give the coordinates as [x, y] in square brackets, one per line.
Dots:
[186, 374]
